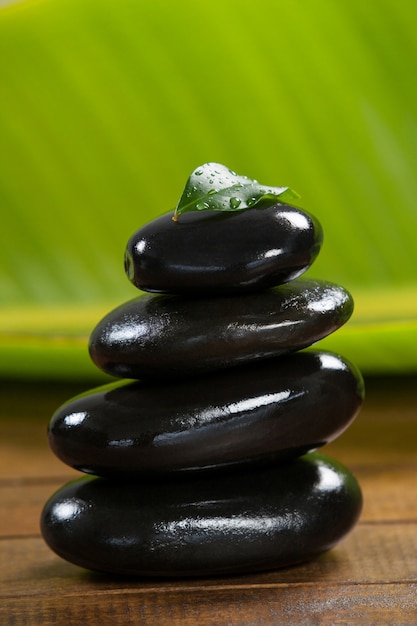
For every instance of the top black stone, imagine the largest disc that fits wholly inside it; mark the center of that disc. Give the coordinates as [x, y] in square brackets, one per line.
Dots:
[218, 252]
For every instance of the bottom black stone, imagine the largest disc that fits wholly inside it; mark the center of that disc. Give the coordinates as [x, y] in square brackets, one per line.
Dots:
[249, 521]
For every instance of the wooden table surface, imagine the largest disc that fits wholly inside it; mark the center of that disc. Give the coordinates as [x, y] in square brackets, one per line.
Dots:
[369, 578]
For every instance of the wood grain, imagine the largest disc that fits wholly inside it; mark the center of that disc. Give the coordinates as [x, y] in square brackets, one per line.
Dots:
[370, 578]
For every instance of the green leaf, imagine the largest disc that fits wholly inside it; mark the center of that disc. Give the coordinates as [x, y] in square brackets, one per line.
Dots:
[216, 187]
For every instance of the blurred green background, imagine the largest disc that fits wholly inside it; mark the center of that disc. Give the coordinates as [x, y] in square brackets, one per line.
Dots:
[107, 106]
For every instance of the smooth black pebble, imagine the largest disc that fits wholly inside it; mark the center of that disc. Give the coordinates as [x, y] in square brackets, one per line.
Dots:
[251, 521]
[275, 410]
[155, 335]
[220, 252]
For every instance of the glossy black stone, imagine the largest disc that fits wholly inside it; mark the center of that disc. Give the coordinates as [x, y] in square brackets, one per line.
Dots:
[156, 336]
[274, 410]
[200, 526]
[218, 252]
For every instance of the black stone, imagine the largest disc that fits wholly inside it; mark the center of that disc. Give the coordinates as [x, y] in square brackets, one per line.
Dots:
[200, 526]
[274, 410]
[154, 335]
[220, 252]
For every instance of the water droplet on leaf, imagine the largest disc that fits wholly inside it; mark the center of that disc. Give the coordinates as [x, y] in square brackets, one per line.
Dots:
[235, 203]
[200, 206]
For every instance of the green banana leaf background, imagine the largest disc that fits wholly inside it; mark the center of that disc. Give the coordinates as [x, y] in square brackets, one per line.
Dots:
[107, 106]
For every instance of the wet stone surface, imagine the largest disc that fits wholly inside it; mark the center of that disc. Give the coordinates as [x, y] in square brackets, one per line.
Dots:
[203, 461]
[268, 412]
[217, 252]
[155, 336]
[201, 526]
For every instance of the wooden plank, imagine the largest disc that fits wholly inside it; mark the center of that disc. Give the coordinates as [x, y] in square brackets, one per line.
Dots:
[34, 400]
[380, 604]
[22, 504]
[25, 410]
[390, 493]
[369, 578]
[385, 431]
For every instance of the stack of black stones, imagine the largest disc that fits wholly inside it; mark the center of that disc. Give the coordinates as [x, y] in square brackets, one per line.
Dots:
[202, 460]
